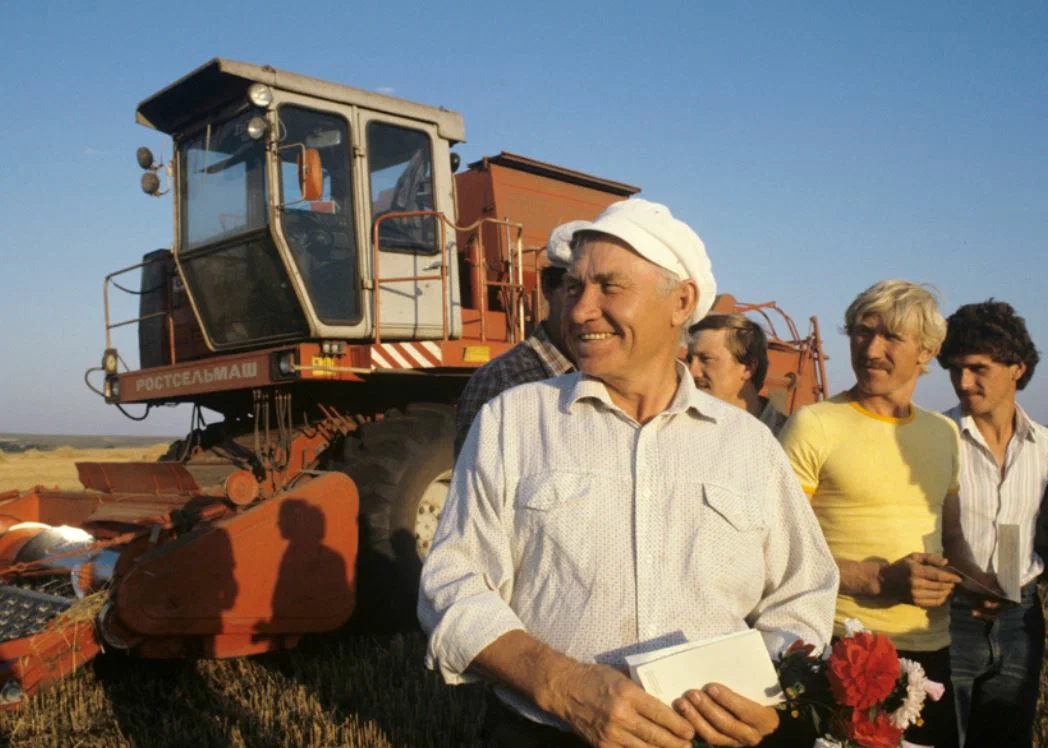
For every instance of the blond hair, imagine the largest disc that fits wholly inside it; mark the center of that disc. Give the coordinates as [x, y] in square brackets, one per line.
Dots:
[904, 307]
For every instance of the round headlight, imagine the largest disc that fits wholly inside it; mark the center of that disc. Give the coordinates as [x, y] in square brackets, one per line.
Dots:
[150, 183]
[145, 159]
[260, 94]
[256, 128]
[109, 361]
[287, 364]
[112, 388]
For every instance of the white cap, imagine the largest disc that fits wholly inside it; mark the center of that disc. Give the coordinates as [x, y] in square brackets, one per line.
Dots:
[653, 233]
[558, 250]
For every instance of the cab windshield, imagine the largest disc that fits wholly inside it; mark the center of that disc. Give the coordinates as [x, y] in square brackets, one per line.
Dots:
[223, 181]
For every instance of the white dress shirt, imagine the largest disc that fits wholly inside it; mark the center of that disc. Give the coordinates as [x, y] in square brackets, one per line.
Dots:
[602, 537]
[987, 500]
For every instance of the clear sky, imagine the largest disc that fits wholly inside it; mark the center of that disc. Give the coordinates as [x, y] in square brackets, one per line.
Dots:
[816, 146]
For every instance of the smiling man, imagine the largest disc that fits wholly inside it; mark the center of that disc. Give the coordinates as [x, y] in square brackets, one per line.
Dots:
[996, 654]
[617, 510]
[883, 477]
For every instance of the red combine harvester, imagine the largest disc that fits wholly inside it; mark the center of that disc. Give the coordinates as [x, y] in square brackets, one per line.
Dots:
[331, 285]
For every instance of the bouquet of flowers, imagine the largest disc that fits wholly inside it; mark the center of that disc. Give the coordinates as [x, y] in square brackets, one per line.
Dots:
[860, 693]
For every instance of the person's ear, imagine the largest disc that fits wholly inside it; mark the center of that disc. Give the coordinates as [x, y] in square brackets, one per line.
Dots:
[685, 298]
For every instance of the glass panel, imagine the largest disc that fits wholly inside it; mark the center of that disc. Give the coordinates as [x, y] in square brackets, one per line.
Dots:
[224, 188]
[243, 294]
[320, 232]
[400, 162]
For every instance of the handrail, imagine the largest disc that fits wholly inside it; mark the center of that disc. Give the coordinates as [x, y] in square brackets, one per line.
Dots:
[113, 325]
[516, 331]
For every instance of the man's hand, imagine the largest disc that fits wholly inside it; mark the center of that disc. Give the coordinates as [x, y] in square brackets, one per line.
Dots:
[722, 717]
[920, 579]
[608, 709]
[986, 609]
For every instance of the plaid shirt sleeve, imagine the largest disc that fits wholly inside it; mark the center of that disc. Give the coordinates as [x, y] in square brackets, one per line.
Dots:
[486, 383]
[516, 366]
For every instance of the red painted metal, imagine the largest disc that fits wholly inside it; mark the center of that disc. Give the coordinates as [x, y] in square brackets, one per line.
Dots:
[284, 566]
[28, 663]
[136, 477]
[241, 487]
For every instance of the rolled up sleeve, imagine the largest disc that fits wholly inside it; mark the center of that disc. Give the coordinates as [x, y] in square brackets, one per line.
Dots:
[467, 579]
[801, 577]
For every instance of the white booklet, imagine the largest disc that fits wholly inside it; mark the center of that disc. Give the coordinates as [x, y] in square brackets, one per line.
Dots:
[739, 661]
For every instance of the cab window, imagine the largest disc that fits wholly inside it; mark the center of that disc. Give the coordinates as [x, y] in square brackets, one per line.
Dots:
[400, 168]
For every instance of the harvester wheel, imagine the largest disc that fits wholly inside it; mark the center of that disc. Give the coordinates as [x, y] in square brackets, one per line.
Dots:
[402, 467]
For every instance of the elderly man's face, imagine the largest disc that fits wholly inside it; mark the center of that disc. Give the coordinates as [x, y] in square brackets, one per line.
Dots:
[623, 319]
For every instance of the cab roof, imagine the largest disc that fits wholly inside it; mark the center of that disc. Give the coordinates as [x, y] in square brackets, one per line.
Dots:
[220, 80]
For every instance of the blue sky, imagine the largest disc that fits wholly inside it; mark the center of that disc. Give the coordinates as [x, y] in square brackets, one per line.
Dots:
[816, 147]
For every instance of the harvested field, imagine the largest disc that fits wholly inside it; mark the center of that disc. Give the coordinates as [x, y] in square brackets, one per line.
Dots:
[341, 689]
[55, 467]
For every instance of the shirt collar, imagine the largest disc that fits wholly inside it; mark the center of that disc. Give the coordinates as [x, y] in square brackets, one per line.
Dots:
[1024, 427]
[555, 362]
[687, 398]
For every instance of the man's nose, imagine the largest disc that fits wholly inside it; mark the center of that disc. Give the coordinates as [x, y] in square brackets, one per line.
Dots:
[967, 380]
[585, 308]
[874, 347]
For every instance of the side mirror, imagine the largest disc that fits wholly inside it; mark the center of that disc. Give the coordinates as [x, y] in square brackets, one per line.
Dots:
[310, 174]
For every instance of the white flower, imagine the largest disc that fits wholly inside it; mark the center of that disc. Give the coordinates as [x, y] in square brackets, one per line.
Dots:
[826, 743]
[853, 626]
[916, 691]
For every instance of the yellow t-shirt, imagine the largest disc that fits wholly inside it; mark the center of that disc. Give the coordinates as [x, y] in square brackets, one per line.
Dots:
[877, 486]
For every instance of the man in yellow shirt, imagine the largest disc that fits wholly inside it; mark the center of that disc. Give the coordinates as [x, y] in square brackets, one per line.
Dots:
[882, 475]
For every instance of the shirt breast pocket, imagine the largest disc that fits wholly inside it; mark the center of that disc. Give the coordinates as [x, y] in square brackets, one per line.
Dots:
[740, 512]
[561, 520]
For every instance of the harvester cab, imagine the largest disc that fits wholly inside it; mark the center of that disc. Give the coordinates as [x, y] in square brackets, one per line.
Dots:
[281, 184]
[332, 282]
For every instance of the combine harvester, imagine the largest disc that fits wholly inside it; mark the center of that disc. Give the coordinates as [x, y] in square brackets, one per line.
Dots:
[331, 285]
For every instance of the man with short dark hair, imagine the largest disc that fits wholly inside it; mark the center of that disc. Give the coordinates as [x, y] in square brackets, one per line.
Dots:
[996, 652]
[728, 357]
[543, 354]
[616, 510]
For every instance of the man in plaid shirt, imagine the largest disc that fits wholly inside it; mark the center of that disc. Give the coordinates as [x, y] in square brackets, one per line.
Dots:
[543, 355]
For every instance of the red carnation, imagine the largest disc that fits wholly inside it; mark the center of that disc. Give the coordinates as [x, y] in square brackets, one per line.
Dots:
[862, 669]
[876, 733]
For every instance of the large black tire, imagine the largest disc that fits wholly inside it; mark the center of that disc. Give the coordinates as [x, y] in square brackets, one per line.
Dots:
[401, 465]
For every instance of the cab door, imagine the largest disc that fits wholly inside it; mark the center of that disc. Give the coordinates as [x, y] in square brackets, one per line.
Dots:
[401, 176]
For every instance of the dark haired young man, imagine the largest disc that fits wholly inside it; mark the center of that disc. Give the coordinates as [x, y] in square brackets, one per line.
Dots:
[995, 652]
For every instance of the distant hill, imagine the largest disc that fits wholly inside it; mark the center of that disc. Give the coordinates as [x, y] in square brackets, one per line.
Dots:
[47, 442]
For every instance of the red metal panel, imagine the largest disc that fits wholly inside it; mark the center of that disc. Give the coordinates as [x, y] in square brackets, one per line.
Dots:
[136, 477]
[284, 566]
[48, 656]
[238, 371]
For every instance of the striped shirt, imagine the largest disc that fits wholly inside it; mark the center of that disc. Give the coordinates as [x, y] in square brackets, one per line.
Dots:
[601, 536]
[987, 500]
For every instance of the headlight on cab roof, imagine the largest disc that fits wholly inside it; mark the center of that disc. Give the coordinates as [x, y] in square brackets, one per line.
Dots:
[260, 95]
